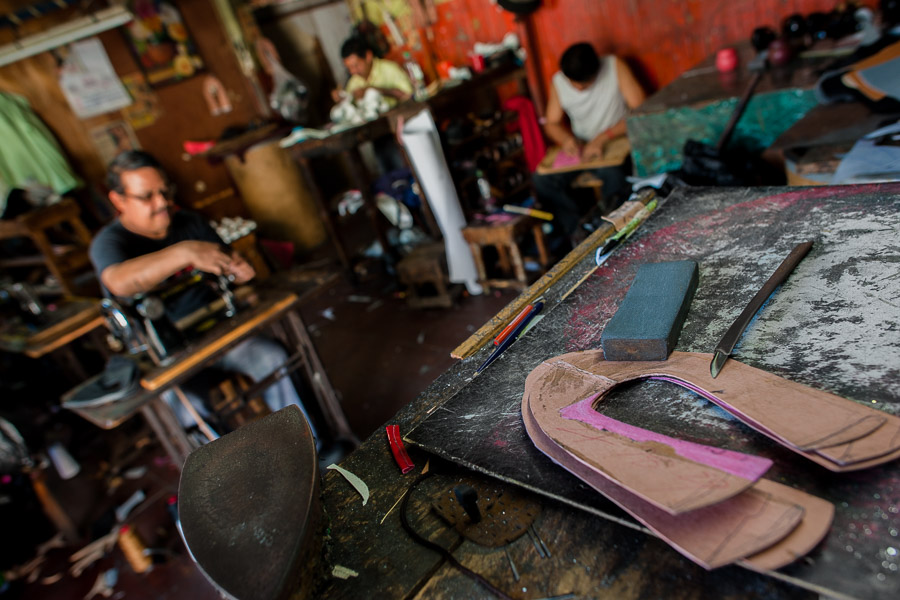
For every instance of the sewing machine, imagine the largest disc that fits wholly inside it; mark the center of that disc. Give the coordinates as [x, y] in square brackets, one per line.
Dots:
[161, 322]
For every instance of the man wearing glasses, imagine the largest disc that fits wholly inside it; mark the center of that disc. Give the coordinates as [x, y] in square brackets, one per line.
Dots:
[148, 243]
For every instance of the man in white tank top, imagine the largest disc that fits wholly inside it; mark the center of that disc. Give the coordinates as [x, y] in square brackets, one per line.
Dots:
[587, 105]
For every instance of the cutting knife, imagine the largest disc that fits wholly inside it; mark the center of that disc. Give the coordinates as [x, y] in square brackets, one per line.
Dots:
[731, 337]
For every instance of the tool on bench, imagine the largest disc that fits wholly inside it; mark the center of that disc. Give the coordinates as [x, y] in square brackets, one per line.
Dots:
[648, 321]
[512, 325]
[268, 547]
[398, 449]
[731, 337]
[705, 164]
[501, 348]
[468, 500]
[604, 251]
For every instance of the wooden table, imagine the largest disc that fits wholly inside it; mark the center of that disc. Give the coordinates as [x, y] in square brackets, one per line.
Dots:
[64, 262]
[828, 327]
[699, 104]
[71, 320]
[812, 148]
[345, 142]
[276, 310]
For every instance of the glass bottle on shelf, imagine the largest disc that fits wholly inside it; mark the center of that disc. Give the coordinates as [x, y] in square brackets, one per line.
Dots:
[484, 190]
[416, 76]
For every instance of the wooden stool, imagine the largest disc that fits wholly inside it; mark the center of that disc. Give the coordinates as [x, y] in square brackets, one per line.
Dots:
[64, 262]
[588, 180]
[228, 402]
[426, 266]
[504, 237]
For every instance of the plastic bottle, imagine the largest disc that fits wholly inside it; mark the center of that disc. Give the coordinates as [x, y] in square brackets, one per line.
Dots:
[416, 76]
[484, 190]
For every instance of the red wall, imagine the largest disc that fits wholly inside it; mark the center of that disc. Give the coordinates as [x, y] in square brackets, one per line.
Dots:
[660, 38]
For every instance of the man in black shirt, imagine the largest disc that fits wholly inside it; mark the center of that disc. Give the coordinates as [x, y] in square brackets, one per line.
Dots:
[148, 243]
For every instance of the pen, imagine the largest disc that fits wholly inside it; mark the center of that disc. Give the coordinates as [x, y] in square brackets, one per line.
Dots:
[511, 338]
[512, 325]
[530, 212]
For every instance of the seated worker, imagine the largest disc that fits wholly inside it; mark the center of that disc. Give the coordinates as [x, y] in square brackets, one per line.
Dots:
[148, 243]
[594, 94]
[367, 71]
[387, 77]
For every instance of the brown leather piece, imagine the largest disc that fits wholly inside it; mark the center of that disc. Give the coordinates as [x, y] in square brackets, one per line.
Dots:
[713, 536]
[765, 525]
[834, 432]
[813, 528]
[648, 470]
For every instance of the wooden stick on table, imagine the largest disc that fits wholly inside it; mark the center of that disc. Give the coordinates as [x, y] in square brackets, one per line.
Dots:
[490, 329]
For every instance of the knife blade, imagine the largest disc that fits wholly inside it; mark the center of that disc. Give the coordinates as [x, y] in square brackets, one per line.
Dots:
[731, 337]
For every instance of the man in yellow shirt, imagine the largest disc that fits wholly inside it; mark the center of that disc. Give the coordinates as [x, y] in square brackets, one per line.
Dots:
[367, 71]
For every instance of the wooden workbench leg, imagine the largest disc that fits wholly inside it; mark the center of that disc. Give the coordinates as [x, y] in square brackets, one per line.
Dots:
[167, 428]
[52, 507]
[325, 214]
[503, 255]
[518, 266]
[318, 378]
[541, 245]
[479, 265]
[46, 248]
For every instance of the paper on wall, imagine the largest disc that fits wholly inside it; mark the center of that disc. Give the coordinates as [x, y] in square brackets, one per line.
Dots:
[89, 82]
[423, 146]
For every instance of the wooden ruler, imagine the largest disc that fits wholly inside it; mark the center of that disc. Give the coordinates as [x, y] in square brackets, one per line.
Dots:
[490, 329]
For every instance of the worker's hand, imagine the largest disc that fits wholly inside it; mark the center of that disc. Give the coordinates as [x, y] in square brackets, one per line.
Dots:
[337, 94]
[358, 94]
[571, 146]
[208, 257]
[240, 269]
[593, 150]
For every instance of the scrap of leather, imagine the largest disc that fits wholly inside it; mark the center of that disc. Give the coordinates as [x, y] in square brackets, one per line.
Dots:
[622, 215]
[812, 529]
[834, 432]
[745, 524]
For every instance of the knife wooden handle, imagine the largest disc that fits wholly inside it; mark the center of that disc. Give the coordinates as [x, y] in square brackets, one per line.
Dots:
[728, 341]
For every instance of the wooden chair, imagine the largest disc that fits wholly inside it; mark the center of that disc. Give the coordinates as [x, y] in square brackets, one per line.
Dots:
[426, 267]
[66, 261]
[505, 236]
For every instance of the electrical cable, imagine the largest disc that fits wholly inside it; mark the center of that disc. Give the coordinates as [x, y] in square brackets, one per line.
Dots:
[437, 547]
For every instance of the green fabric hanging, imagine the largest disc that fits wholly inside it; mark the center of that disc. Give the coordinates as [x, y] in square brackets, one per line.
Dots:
[29, 153]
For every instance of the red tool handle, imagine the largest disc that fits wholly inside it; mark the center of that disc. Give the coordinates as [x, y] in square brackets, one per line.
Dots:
[398, 449]
[515, 323]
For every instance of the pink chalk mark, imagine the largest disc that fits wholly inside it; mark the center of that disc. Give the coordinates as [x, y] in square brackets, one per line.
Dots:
[738, 464]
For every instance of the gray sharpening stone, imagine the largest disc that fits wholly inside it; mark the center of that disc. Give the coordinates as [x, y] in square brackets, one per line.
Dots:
[647, 323]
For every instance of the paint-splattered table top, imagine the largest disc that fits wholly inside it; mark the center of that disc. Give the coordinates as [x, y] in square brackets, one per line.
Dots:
[834, 325]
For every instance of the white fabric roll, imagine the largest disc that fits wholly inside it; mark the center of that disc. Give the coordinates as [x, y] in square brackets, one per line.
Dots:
[423, 146]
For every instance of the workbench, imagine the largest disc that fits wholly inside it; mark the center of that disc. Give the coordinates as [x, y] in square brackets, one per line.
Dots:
[701, 101]
[345, 141]
[812, 148]
[831, 326]
[67, 322]
[271, 309]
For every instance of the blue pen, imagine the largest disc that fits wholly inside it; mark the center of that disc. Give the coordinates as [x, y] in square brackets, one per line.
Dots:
[512, 337]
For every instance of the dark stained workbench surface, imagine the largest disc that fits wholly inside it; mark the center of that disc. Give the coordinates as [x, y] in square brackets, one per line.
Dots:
[833, 325]
[703, 83]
